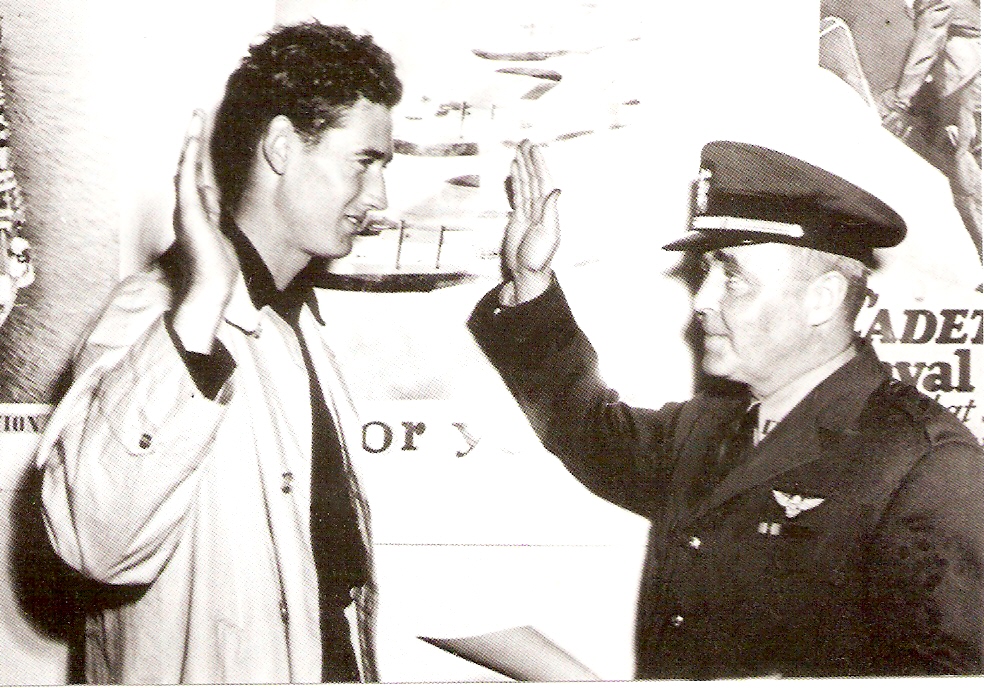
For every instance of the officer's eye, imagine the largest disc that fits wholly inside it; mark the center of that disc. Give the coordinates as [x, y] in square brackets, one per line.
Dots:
[732, 275]
[735, 283]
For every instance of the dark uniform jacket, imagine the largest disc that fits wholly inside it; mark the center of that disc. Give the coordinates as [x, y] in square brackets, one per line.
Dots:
[883, 576]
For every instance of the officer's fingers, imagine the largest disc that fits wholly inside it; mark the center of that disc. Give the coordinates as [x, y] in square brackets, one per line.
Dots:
[523, 180]
[551, 217]
[541, 242]
[515, 185]
[514, 231]
[531, 179]
[540, 170]
[537, 187]
[513, 194]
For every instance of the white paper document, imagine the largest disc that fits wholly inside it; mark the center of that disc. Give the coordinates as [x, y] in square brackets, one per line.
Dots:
[521, 653]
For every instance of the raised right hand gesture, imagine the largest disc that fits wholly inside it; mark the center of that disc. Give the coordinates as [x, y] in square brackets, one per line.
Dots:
[210, 263]
[533, 232]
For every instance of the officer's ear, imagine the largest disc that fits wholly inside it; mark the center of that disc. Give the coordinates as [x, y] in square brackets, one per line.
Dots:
[825, 297]
[278, 141]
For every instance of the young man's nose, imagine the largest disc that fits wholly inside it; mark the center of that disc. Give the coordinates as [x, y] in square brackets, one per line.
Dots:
[374, 192]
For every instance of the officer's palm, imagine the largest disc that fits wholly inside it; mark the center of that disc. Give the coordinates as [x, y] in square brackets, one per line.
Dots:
[533, 232]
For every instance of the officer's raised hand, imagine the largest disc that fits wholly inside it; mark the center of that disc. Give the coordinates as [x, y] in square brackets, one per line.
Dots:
[210, 264]
[533, 232]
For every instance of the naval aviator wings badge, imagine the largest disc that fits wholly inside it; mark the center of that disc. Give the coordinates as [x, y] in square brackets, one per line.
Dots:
[796, 504]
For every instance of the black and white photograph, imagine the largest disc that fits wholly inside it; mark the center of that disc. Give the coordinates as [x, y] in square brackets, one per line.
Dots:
[434, 341]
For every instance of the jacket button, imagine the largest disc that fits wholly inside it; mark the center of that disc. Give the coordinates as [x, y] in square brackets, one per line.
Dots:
[676, 621]
[283, 611]
[288, 479]
[694, 542]
[145, 440]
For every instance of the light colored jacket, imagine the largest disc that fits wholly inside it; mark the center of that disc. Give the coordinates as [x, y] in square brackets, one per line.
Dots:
[148, 482]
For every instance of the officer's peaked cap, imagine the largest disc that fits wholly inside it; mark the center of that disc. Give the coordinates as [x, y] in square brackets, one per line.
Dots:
[747, 194]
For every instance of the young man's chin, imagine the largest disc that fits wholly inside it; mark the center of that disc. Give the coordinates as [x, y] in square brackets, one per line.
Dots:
[341, 248]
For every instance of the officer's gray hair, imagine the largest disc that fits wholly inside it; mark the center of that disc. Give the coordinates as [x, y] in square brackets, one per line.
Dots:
[814, 263]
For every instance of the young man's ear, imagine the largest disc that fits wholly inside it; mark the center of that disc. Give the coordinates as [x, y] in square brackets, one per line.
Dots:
[825, 297]
[277, 142]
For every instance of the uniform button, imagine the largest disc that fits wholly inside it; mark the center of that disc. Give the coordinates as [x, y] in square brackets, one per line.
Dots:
[694, 542]
[283, 611]
[144, 441]
[288, 479]
[676, 621]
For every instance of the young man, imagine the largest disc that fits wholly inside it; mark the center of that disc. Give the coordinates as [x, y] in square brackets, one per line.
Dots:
[199, 457]
[828, 521]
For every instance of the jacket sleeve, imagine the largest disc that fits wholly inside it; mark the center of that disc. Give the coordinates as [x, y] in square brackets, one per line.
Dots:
[932, 22]
[618, 452]
[926, 568]
[121, 453]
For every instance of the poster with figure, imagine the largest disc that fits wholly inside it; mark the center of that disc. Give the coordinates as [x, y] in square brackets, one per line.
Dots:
[930, 329]
[476, 527]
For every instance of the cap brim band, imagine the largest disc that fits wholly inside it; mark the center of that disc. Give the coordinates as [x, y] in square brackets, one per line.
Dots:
[744, 224]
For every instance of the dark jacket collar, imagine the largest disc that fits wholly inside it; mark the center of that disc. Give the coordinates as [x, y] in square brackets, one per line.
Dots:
[260, 285]
[839, 399]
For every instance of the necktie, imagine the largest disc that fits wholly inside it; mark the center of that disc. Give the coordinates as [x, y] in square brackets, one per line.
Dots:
[339, 554]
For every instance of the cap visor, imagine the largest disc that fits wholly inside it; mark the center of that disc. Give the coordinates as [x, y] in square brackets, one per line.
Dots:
[709, 240]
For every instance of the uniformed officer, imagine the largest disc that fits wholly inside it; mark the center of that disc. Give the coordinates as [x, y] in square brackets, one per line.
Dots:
[828, 520]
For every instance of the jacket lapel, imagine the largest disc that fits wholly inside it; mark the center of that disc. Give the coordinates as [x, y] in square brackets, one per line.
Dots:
[702, 429]
[820, 426]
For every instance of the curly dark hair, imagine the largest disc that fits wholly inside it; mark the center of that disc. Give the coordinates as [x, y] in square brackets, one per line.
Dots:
[309, 72]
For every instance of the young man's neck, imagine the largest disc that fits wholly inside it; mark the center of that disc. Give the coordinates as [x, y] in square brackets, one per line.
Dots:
[266, 236]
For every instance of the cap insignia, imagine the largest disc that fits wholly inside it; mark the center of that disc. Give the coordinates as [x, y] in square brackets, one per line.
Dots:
[703, 189]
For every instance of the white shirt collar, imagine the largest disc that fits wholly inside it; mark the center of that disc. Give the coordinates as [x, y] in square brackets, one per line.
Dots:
[776, 406]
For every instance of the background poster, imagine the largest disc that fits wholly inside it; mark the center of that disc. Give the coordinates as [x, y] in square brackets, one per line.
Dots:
[477, 528]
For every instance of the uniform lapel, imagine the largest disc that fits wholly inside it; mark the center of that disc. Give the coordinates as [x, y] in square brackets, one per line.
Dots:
[702, 430]
[821, 425]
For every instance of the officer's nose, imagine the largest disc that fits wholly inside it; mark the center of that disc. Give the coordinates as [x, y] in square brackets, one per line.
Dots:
[708, 296]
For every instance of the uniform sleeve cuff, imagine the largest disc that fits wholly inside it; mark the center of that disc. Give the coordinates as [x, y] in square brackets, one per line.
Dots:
[525, 334]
